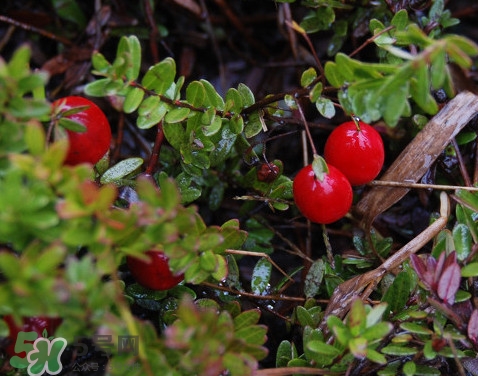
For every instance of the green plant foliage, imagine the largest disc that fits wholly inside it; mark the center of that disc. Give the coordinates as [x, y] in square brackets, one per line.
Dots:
[377, 90]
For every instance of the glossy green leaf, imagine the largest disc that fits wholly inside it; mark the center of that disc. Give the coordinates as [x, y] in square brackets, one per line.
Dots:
[398, 293]
[286, 351]
[134, 57]
[323, 348]
[316, 92]
[314, 278]
[415, 328]
[100, 64]
[196, 94]
[400, 19]
[133, 99]
[420, 90]
[399, 350]
[97, 88]
[470, 270]
[234, 101]
[71, 125]
[356, 320]
[377, 331]
[375, 356]
[236, 124]
[246, 94]
[462, 240]
[325, 107]
[308, 77]
[437, 70]
[261, 275]
[161, 76]
[151, 111]
[177, 115]
[304, 317]
[121, 170]
[247, 319]
[213, 99]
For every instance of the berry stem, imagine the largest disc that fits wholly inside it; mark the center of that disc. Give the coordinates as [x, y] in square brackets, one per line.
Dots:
[356, 121]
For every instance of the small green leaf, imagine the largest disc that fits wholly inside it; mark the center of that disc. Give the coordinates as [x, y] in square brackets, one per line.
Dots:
[213, 99]
[196, 93]
[326, 107]
[161, 76]
[177, 115]
[246, 94]
[133, 99]
[377, 331]
[314, 278]
[462, 240]
[323, 348]
[71, 125]
[413, 327]
[304, 317]
[375, 356]
[399, 350]
[121, 170]
[100, 64]
[134, 57]
[247, 318]
[316, 92]
[470, 270]
[261, 275]
[398, 293]
[98, 88]
[285, 353]
[308, 76]
[234, 101]
[35, 138]
[253, 126]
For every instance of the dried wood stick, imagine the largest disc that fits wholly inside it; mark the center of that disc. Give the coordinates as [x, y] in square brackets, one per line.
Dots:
[419, 155]
[362, 285]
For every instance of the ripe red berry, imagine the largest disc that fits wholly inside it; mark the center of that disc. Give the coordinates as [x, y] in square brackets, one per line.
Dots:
[153, 274]
[322, 199]
[36, 324]
[89, 146]
[356, 151]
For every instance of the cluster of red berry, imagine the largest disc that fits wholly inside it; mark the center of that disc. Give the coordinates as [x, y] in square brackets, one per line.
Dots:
[354, 155]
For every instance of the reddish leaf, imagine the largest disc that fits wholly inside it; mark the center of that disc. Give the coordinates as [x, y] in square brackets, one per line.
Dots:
[449, 283]
[418, 265]
[473, 327]
[424, 270]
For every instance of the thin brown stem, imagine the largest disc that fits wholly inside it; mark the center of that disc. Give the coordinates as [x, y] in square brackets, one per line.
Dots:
[153, 159]
[153, 34]
[370, 40]
[34, 29]
[307, 130]
[461, 163]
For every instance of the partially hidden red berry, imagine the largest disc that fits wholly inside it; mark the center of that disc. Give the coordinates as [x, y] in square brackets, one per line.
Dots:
[267, 172]
[89, 146]
[39, 324]
[322, 201]
[153, 274]
[356, 151]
